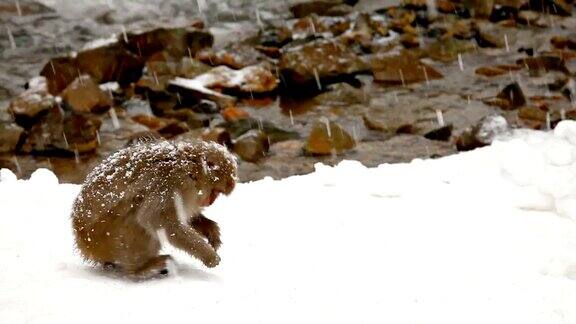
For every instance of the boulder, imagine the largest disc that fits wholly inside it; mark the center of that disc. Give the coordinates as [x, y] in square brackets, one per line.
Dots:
[83, 95]
[319, 61]
[32, 103]
[10, 136]
[328, 138]
[252, 146]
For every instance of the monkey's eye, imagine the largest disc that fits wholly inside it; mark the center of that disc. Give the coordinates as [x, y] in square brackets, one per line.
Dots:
[192, 176]
[210, 164]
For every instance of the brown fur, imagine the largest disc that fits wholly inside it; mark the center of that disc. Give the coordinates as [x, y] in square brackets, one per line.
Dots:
[146, 189]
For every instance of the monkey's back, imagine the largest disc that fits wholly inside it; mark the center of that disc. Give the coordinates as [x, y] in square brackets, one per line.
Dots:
[119, 195]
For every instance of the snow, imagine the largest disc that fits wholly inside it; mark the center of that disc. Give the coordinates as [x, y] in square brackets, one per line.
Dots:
[487, 236]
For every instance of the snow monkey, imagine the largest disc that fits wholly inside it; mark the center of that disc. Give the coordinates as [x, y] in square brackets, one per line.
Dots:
[148, 191]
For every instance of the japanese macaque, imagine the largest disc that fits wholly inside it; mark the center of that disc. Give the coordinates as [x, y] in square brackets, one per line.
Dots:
[148, 191]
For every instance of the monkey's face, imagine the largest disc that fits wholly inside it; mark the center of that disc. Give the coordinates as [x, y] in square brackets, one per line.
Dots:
[216, 175]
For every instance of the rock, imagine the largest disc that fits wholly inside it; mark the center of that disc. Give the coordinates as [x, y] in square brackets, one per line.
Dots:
[24, 8]
[10, 136]
[32, 103]
[441, 134]
[206, 107]
[534, 117]
[488, 35]
[173, 129]
[252, 146]
[447, 50]
[483, 133]
[275, 134]
[328, 138]
[563, 42]
[59, 131]
[496, 70]
[149, 121]
[110, 63]
[275, 37]
[83, 95]
[233, 114]
[318, 7]
[103, 64]
[163, 64]
[236, 56]
[252, 79]
[193, 90]
[544, 63]
[528, 17]
[402, 69]
[481, 8]
[555, 7]
[512, 97]
[503, 13]
[217, 134]
[178, 42]
[318, 62]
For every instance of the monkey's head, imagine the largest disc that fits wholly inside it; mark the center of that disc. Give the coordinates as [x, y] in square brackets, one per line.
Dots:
[211, 170]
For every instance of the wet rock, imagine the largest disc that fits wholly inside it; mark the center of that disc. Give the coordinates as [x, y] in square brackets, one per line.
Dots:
[275, 37]
[275, 134]
[32, 103]
[24, 8]
[149, 121]
[544, 63]
[402, 69]
[60, 72]
[163, 64]
[496, 70]
[10, 136]
[217, 134]
[193, 90]
[233, 114]
[252, 146]
[441, 134]
[110, 63]
[328, 138]
[447, 50]
[63, 132]
[410, 41]
[563, 42]
[83, 95]
[173, 129]
[236, 56]
[319, 61]
[488, 35]
[252, 79]
[103, 64]
[206, 107]
[483, 133]
[532, 113]
[503, 12]
[318, 7]
[555, 7]
[340, 10]
[528, 17]
[512, 97]
[481, 8]
[178, 42]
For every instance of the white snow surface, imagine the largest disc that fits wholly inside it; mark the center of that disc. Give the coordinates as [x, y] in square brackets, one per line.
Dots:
[482, 237]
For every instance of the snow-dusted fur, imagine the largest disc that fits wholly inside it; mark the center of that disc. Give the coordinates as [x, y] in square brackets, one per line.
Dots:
[145, 188]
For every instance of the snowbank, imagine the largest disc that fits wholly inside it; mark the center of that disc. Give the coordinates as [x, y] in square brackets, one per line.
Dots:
[482, 237]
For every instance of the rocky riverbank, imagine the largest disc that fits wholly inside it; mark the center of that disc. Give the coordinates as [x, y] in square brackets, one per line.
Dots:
[283, 85]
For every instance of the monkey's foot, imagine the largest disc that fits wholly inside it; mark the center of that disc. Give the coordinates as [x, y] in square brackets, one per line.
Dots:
[157, 267]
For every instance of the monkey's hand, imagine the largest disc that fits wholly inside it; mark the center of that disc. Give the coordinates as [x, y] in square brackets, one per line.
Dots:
[207, 228]
[211, 261]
